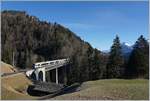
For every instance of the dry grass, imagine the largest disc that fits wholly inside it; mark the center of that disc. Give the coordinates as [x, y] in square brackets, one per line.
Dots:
[113, 89]
[8, 93]
[15, 86]
[6, 68]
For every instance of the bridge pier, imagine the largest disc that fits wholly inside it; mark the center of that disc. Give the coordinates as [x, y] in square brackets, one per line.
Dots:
[56, 75]
[37, 77]
[44, 76]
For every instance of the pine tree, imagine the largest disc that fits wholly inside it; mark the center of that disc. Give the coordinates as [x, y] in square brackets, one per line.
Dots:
[115, 65]
[138, 65]
[90, 61]
[73, 72]
[84, 69]
[95, 70]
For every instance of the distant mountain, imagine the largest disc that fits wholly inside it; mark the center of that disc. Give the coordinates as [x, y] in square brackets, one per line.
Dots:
[106, 51]
[126, 49]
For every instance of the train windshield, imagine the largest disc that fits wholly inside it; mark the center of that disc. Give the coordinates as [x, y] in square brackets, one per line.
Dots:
[33, 66]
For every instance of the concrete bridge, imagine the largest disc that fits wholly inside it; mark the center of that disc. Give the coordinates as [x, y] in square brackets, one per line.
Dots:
[39, 69]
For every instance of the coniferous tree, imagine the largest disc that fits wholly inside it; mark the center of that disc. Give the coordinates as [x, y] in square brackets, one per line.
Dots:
[115, 65]
[90, 61]
[84, 69]
[138, 64]
[74, 70]
[95, 70]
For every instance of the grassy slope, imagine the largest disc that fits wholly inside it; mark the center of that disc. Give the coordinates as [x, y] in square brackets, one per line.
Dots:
[6, 68]
[110, 89]
[14, 87]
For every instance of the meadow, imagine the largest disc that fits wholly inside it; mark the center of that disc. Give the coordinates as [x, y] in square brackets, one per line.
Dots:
[110, 89]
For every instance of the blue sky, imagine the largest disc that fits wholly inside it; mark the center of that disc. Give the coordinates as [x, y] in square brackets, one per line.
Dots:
[95, 22]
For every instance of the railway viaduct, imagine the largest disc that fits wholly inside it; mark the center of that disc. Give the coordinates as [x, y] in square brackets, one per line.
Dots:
[39, 73]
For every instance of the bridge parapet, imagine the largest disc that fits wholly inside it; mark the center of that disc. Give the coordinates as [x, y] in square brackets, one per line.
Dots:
[50, 63]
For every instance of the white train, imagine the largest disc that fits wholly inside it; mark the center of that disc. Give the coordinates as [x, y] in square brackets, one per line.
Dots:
[50, 63]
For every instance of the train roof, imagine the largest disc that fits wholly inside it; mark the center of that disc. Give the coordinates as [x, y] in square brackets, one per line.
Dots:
[49, 61]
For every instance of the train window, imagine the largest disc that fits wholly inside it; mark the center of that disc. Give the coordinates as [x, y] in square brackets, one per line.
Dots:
[44, 64]
[51, 63]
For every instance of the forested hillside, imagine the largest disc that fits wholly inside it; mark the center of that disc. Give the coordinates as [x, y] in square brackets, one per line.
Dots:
[32, 40]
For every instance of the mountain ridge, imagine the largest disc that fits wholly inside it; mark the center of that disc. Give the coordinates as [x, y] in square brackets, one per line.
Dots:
[32, 40]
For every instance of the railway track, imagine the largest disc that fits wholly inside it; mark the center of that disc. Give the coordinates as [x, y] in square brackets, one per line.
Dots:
[14, 73]
[10, 74]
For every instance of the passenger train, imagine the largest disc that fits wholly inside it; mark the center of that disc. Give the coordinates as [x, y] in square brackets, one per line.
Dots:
[49, 63]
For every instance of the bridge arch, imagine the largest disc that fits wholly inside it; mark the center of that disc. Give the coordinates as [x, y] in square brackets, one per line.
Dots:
[40, 76]
[33, 76]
